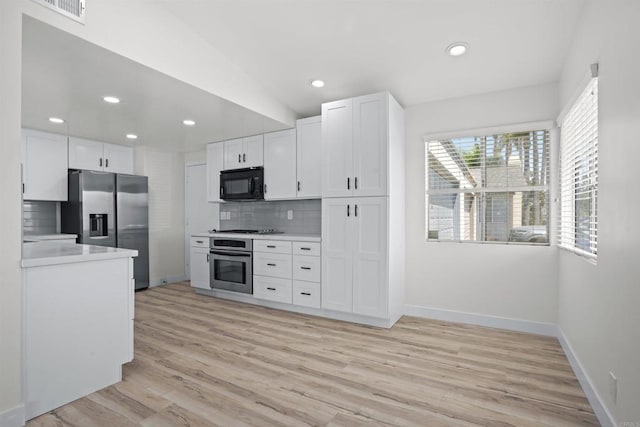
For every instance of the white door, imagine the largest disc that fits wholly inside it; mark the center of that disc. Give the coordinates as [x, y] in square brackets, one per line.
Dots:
[233, 151]
[309, 153]
[253, 154]
[370, 145]
[85, 154]
[337, 254]
[280, 165]
[337, 149]
[200, 215]
[370, 256]
[200, 268]
[215, 164]
[118, 158]
[44, 166]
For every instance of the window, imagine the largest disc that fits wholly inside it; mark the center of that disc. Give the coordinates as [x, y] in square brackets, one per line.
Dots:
[492, 188]
[578, 222]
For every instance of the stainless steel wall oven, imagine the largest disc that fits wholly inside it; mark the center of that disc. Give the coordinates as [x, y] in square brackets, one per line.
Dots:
[231, 264]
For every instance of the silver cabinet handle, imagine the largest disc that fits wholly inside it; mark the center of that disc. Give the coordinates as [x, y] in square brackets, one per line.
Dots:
[271, 289]
[239, 158]
[271, 264]
[106, 163]
[199, 241]
[348, 183]
[271, 246]
[356, 212]
[305, 268]
[305, 293]
[305, 249]
[355, 182]
[265, 189]
[298, 185]
[244, 157]
[100, 161]
[348, 210]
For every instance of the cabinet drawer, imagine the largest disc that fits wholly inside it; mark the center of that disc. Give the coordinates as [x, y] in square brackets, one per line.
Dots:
[272, 246]
[306, 294]
[272, 265]
[306, 268]
[199, 242]
[306, 248]
[272, 289]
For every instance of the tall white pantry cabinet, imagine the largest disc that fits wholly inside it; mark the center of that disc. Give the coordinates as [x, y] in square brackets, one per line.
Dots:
[363, 207]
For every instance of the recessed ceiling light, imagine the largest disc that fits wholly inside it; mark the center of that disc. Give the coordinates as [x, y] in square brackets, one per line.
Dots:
[55, 120]
[111, 99]
[188, 122]
[457, 48]
[132, 136]
[317, 83]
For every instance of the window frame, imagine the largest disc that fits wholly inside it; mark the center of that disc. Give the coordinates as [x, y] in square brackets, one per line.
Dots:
[547, 125]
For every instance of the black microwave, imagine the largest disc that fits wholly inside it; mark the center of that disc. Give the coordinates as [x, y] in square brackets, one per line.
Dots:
[242, 184]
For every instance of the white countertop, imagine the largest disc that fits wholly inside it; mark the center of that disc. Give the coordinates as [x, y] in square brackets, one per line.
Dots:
[43, 237]
[283, 236]
[35, 254]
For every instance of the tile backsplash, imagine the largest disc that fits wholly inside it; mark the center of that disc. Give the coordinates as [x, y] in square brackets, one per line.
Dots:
[305, 216]
[40, 217]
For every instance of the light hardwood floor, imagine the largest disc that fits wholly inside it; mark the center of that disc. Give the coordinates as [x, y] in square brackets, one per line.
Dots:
[201, 361]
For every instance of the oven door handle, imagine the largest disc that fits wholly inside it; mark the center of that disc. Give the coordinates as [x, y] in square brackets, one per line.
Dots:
[236, 254]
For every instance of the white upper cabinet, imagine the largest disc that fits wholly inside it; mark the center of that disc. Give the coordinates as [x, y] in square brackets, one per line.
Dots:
[280, 165]
[337, 148]
[309, 153]
[355, 142]
[44, 166]
[99, 156]
[215, 164]
[243, 152]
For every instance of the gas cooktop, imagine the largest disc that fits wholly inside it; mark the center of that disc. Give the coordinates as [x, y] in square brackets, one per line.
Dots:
[245, 231]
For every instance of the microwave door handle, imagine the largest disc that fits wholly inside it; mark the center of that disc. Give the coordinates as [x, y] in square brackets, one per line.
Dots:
[251, 185]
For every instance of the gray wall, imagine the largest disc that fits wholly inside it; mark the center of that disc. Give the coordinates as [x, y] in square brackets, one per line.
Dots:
[261, 215]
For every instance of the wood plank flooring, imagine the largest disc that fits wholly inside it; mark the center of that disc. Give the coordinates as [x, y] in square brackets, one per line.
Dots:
[201, 361]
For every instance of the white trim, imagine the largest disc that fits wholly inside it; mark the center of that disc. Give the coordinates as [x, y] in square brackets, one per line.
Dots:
[592, 73]
[519, 325]
[13, 417]
[167, 280]
[605, 417]
[516, 127]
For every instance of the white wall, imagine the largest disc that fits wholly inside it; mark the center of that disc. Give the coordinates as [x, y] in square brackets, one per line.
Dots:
[599, 306]
[516, 282]
[165, 170]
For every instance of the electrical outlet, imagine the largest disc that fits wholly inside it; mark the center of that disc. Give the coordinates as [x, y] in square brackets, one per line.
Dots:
[613, 387]
[289, 214]
[164, 281]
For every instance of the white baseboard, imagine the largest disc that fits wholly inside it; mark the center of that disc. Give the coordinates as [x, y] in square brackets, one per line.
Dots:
[519, 325]
[604, 416]
[166, 280]
[13, 417]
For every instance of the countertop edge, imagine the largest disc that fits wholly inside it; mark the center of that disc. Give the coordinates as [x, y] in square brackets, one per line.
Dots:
[40, 261]
[284, 236]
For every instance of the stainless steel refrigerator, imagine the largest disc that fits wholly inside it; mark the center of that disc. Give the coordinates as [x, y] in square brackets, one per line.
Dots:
[107, 209]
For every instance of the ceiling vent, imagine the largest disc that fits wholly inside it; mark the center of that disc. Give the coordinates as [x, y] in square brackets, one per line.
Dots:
[73, 9]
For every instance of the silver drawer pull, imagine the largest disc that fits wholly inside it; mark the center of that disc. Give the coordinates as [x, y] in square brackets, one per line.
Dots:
[271, 265]
[305, 249]
[271, 246]
[271, 289]
[199, 241]
[305, 268]
[305, 293]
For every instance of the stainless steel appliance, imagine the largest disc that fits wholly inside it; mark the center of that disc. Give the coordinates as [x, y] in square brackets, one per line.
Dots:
[107, 209]
[242, 184]
[231, 264]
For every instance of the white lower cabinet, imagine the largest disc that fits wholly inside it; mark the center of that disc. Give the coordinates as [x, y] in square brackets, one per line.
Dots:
[306, 294]
[272, 265]
[354, 258]
[200, 263]
[272, 289]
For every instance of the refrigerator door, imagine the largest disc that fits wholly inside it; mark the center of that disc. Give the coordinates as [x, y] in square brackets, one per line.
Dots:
[133, 222]
[98, 208]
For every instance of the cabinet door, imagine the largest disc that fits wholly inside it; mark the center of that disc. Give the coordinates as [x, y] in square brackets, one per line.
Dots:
[215, 163]
[200, 268]
[44, 166]
[337, 149]
[85, 154]
[253, 154]
[337, 254]
[118, 158]
[308, 152]
[370, 256]
[370, 145]
[233, 151]
[280, 165]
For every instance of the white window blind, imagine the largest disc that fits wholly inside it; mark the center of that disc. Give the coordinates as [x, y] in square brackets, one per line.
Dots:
[74, 9]
[578, 212]
[490, 188]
